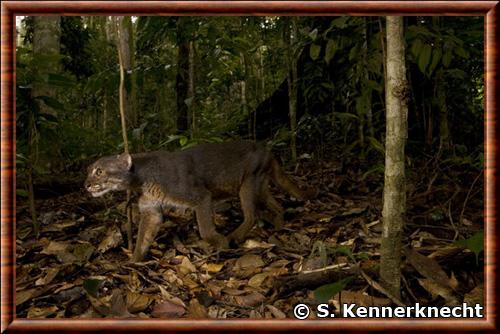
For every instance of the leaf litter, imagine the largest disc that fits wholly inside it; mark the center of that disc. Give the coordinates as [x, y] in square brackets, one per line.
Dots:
[79, 267]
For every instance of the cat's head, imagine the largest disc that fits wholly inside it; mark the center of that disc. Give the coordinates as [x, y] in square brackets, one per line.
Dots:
[107, 174]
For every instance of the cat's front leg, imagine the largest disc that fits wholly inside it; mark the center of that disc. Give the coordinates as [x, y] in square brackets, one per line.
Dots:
[151, 218]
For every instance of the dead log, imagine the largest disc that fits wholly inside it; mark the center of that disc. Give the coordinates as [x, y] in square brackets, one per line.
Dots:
[287, 284]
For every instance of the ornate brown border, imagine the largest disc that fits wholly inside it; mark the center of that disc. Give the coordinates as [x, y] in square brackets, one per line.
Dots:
[9, 9]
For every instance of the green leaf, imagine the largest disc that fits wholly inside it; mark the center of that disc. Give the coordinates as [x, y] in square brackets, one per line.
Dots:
[457, 74]
[345, 250]
[331, 48]
[51, 102]
[447, 58]
[461, 52]
[345, 115]
[474, 243]
[361, 104]
[424, 57]
[21, 193]
[92, 285]
[60, 81]
[363, 256]
[313, 34]
[415, 48]
[436, 57]
[378, 146]
[325, 292]
[354, 52]
[339, 22]
[314, 51]
[183, 140]
[374, 85]
[377, 169]
[170, 139]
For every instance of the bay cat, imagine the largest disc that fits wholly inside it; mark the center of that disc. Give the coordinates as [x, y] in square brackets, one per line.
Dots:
[195, 178]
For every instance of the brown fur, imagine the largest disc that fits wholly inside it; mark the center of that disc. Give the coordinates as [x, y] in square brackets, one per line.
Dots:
[194, 178]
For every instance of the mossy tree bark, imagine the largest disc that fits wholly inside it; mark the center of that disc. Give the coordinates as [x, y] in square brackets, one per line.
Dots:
[126, 45]
[46, 54]
[182, 78]
[396, 132]
[290, 37]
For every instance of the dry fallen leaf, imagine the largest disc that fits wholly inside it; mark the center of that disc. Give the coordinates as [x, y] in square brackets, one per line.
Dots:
[475, 296]
[112, 239]
[55, 248]
[50, 274]
[428, 267]
[276, 313]
[233, 292]
[168, 297]
[101, 305]
[196, 310]
[168, 310]
[56, 227]
[249, 261]
[360, 298]
[251, 244]
[247, 266]
[354, 211]
[212, 267]
[170, 276]
[82, 252]
[137, 302]
[41, 312]
[25, 295]
[252, 299]
[256, 280]
[185, 266]
[118, 306]
[436, 289]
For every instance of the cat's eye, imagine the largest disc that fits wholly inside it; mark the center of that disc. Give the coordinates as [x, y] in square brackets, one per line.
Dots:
[98, 171]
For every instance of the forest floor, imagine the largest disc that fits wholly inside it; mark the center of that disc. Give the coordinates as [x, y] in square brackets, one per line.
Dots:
[79, 266]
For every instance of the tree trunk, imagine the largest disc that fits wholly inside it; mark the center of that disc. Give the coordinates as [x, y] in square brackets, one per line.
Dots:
[367, 90]
[105, 113]
[444, 131]
[46, 47]
[396, 131]
[262, 81]
[244, 93]
[191, 89]
[290, 35]
[126, 45]
[182, 79]
[440, 96]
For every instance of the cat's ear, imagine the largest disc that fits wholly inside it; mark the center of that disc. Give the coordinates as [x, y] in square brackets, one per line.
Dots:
[127, 159]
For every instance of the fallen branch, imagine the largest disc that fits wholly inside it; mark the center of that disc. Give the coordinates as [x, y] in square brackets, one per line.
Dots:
[467, 196]
[291, 283]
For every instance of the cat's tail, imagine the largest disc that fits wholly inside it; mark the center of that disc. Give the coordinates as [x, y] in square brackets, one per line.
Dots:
[284, 182]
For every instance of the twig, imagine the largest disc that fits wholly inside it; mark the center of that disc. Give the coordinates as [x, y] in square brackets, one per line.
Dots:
[378, 287]
[333, 266]
[450, 215]
[206, 257]
[141, 274]
[468, 194]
